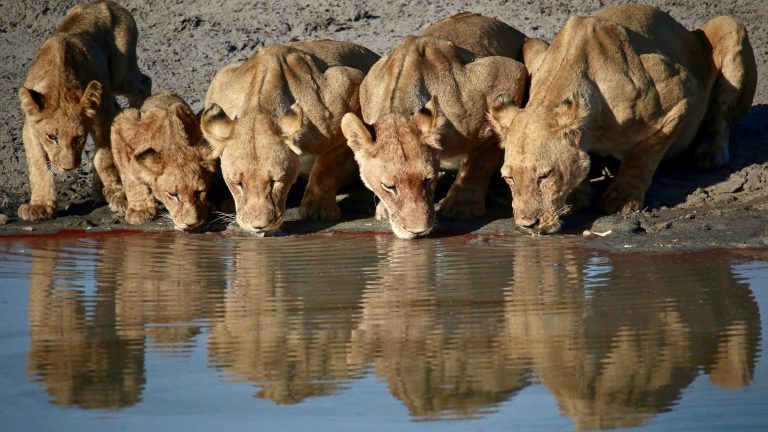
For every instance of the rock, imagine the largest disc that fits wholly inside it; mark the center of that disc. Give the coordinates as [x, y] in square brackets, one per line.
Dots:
[753, 181]
[3, 219]
[734, 184]
[616, 225]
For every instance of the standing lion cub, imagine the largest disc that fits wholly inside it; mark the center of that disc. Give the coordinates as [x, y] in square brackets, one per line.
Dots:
[69, 93]
[159, 151]
[630, 82]
[284, 102]
[427, 102]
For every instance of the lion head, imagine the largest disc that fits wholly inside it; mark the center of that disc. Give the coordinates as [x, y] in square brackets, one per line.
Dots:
[401, 165]
[259, 160]
[166, 151]
[61, 121]
[543, 158]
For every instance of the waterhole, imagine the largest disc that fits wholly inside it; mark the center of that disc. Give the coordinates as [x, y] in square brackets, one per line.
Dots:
[164, 331]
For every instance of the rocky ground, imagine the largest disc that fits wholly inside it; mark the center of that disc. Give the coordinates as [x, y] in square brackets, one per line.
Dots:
[183, 43]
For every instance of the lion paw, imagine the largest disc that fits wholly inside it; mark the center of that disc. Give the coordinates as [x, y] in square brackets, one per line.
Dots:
[320, 210]
[138, 216]
[712, 153]
[461, 209]
[118, 202]
[615, 200]
[36, 212]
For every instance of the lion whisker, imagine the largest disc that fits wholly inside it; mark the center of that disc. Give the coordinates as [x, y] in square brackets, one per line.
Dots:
[224, 217]
[563, 210]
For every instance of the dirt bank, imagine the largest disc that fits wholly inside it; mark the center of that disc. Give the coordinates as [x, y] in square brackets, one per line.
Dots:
[183, 43]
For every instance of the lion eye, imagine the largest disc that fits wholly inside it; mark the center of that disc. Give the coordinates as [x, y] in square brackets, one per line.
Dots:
[544, 174]
[199, 193]
[80, 140]
[53, 138]
[173, 195]
[510, 181]
[389, 188]
[272, 185]
[238, 184]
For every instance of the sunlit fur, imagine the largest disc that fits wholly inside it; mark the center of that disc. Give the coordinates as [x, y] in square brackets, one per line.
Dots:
[269, 115]
[543, 163]
[259, 169]
[69, 93]
[629, 82]
[427, 101]
[401, 157]
[160, 149]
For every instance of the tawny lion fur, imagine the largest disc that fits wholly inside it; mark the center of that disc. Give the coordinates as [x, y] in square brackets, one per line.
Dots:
[427, 102]
[161, 155]
[70, 92]
[629, 82]
[284, 102]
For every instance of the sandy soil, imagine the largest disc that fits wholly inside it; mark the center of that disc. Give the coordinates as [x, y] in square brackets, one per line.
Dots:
[183, 43]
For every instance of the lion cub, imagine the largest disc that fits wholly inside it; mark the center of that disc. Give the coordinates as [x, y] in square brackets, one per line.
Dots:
[283, 102]
[427, 102]
[69, 93]
[159, 151]
[630, 82]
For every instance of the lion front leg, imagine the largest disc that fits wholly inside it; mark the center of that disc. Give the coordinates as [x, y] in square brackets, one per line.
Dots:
[732, 92]
[42, 203]
[466, 198]
[142, 206]
[104, 166]
[626, 193]
[319, 201]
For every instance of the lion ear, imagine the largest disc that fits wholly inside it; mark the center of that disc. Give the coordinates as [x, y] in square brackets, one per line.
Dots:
[357, 135]
[217, 128]
[148, 158]
[572, 113]
[189, 122]
[430, 121]
[292, 124]
[32, 102]
[91, 99]
[502, 113]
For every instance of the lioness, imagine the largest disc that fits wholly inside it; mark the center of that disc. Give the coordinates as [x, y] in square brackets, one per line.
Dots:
[69, 93]
[427, 102]
[159, 151]
[283, 102]
[629, 82]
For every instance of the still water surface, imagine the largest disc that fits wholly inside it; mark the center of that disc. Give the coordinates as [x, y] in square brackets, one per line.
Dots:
[343, 332]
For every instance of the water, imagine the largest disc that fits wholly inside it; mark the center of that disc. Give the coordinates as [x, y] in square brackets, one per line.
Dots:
[345, 332]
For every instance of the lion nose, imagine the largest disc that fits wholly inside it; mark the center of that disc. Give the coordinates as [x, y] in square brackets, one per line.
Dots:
[419, 233]
[528, 222]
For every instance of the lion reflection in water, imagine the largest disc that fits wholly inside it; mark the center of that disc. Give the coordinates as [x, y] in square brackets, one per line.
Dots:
[288, 329]
[615, 339]
[436, 359]
[88, 349]
[611, 367]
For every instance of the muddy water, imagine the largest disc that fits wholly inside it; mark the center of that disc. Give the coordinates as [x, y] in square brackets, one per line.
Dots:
[349, 332]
